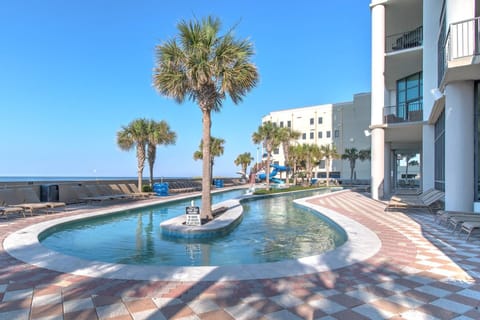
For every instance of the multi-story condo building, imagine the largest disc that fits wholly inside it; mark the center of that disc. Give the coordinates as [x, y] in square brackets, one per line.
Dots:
[340, 124]
[425, 95]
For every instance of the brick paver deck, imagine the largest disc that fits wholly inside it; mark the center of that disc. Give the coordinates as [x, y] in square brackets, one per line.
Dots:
[422, 271]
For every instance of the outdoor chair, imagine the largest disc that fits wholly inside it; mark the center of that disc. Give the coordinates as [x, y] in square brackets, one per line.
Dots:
[428, 200]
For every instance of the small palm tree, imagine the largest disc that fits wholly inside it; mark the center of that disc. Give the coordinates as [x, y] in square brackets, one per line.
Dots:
[244, 160]
[205, 67]
[296, 158]
[216, 150]
[312, 154]
[351, 154]
[159, 133]
[286, 136]
[329, 153]
[135, 134]
[268, 135]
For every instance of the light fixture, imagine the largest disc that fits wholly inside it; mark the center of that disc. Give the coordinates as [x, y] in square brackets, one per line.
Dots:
[367, 133]
[436, 93]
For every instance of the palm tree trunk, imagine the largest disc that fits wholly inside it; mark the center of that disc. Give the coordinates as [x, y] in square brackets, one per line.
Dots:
[267, 170]
[206, 212]
[152, 150]
[327, 165]
[352, 168]
[140, 164]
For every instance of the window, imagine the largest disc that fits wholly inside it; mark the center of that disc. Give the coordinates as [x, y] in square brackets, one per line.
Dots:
[409, 96]
[312, 121]
[304, 136]
[320, 120]
[276, 151]
[289, 123]
[312, 135]
[320, 134]
[281, 124]
[321, 164]
[440, 153]
[328, 134]
[337, 133]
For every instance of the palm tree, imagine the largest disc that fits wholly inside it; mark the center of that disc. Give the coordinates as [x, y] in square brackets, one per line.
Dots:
[329, 153]
[159, 133]
[135, 134]
[205, 67]
[286, 135]
[296, 158]
[351, 154]
[244, 161]
[216, 150]
[312, 153]
[268, 135]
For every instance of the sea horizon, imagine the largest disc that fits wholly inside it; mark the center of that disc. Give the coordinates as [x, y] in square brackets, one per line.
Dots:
[74, 178]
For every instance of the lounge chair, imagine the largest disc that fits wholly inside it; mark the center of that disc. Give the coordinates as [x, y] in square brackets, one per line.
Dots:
[135, 190]
[83, 196]
[469, 227]
[5, 210]
[136, 195]
[428, 200]
[443, 216]
[457, 221]
[30, 201]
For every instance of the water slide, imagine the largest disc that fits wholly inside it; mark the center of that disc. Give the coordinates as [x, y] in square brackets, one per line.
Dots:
[276, 168]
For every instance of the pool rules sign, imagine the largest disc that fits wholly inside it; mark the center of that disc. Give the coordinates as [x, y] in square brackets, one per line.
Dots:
[193, 216]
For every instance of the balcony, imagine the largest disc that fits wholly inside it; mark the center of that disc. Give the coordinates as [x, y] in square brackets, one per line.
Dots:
[405, 40]
[458, 47]
[405, 112]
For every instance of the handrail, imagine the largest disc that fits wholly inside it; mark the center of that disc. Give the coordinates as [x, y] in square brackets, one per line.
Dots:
[404, 40]
[461, 40]
[404, 112]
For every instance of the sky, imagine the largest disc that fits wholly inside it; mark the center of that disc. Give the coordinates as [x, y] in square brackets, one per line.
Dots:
[72, 73]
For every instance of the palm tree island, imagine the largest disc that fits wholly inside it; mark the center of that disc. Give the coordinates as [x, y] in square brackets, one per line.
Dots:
[203, 66]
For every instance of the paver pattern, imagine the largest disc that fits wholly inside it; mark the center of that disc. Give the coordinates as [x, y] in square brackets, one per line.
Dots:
[422, 271]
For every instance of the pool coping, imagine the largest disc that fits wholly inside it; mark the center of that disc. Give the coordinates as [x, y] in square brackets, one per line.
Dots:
[362, 244]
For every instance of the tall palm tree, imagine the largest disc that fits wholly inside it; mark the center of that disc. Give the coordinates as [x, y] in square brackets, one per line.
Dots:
[329, 153]
[159, 133]
[135, 134]
[216, 150]
[244, 161]
[268, 135]
[286, 136]
[205, 67]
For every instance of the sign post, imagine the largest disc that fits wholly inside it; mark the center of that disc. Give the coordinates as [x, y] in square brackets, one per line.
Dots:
[193, 216]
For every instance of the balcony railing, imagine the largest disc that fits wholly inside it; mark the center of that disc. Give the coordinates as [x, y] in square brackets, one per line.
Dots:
[405, 112]
[462, 40]
[405, 40]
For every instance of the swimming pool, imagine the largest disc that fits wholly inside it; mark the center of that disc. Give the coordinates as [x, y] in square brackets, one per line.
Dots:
[273, 229]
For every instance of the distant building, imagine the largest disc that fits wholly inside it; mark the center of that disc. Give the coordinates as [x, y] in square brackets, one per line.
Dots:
[340, 124]
[426, 96]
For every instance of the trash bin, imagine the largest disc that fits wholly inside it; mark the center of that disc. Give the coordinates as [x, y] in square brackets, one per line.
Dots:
[49, 193]
[161, 189]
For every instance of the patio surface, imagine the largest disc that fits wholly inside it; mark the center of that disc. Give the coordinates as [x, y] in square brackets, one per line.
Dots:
[421, 271]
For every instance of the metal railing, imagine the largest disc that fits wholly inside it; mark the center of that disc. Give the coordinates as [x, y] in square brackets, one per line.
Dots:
[405, 112]
[405, 40]
[462, 40]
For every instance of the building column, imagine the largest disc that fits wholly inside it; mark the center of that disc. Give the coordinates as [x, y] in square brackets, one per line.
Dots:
[459, 146]
[387, 184]
[378, 100]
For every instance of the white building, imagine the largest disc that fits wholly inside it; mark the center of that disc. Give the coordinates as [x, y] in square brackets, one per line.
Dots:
[340, 124]
[425, 95]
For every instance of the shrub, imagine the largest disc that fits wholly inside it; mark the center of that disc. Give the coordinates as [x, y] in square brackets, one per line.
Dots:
[146, 188]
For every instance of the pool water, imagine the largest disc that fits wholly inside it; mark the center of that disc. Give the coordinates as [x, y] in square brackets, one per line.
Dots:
[272, 229]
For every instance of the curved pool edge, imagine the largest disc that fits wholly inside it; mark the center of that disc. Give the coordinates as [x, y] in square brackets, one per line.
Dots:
[362, 244]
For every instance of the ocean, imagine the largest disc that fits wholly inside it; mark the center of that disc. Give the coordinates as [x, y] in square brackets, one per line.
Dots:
[34, 179]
